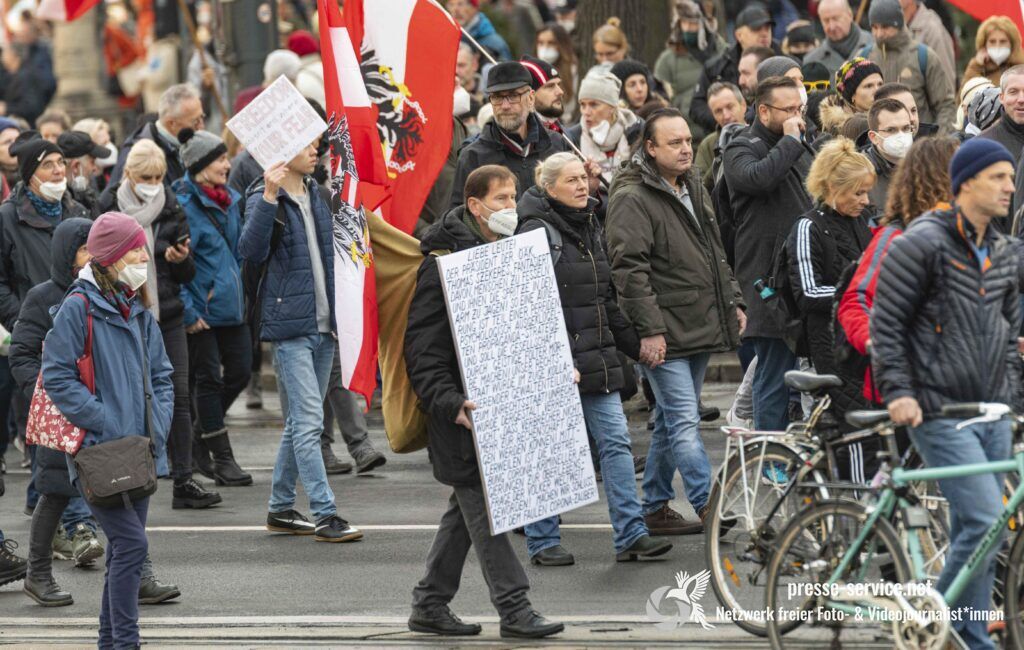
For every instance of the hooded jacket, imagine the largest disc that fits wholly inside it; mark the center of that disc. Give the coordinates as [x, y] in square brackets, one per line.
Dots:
[481, 29]
[765, 173]
[489, 149]
[431, 359]
[669, 264]
[25, 249]
[51, 472]
[169, 227]
[215, 292]
[990, 69]
[933, 89]
[942, 329]
[118, 408]
[926, 27]
[597, 328]
[883, 175]
[148, 131]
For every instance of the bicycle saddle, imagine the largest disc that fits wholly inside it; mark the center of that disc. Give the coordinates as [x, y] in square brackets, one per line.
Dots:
[865, 419]
[809, 382]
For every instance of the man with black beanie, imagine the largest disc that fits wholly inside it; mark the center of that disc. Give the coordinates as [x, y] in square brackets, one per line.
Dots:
[548, 91]
[81, 154]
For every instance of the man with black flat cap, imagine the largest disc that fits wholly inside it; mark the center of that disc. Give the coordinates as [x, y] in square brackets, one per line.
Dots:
[27, 220]
[753, 29]
[81, 154]
[515, 138]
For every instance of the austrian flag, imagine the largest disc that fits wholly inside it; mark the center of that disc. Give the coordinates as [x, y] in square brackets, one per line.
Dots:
[64, 10]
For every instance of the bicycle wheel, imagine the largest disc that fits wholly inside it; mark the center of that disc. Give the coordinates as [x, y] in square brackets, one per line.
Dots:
[935, 538]
[808, 551]
[734, 551]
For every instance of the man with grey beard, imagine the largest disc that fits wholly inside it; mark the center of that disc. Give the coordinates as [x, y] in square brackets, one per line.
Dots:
[515, 138]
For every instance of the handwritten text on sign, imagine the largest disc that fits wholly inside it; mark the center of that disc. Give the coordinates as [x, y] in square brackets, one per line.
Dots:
[517, 367]
[277, 125]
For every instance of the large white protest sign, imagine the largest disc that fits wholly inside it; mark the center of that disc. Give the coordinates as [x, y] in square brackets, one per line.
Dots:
[277, 125]
[517, 367]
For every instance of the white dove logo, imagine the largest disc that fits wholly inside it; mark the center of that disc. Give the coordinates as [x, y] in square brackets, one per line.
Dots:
[689, 590]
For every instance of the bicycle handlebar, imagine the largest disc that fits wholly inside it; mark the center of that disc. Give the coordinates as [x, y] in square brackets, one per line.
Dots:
[965, 410]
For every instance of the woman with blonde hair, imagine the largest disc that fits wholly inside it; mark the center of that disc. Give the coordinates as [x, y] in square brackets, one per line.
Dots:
[998, 49]
[610, 43]
[823, 242]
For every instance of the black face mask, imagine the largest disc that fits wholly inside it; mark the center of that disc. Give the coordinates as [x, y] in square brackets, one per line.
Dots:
[691, 40]
[798, 57]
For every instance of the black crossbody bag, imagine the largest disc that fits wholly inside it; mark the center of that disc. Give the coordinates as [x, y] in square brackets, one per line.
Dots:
[118, 472]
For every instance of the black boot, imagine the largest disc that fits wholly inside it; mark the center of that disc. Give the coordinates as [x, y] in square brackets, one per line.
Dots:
[201, 463]
[225, 470]
[190, 493]
[528, 624]
[12, 567]
[47, 592]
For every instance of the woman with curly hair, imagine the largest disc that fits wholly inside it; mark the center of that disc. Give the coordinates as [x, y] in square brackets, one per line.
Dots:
[920, 184]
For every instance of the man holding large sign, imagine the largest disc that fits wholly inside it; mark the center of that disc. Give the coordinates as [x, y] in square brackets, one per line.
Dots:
[486, 216]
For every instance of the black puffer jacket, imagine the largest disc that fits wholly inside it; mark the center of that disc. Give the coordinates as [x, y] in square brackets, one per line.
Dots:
[34, 321]
[820, 247]
[943, 331]
[25, 249]
[597, 327]
[168, 228]
[430, 358]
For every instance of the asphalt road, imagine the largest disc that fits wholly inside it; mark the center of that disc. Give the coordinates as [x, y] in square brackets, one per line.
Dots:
[244, 586]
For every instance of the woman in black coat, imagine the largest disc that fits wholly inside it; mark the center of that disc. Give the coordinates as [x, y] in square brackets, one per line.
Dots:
[142, 194]
[560, 204]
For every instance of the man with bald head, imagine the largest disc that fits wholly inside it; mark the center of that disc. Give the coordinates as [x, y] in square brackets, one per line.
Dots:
[843, 38]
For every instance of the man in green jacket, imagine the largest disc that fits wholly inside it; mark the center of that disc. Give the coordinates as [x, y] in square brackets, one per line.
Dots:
[674, 283]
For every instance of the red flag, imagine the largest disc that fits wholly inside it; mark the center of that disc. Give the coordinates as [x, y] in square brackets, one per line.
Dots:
[982, 9]
[64, 10]
[408, 49]
[355, 154]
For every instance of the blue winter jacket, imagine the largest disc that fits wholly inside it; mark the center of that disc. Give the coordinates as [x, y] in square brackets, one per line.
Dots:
[215, 294]
[118, 409]
[289, 302]
[482, 29]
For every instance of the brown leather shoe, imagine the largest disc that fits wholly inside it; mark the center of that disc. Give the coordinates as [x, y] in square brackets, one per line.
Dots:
[667, 521]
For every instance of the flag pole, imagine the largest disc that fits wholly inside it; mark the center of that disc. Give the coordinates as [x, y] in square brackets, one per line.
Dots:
[571, 144]
[202, 56]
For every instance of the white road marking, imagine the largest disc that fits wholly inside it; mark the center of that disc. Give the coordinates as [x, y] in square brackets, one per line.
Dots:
[371, 527]
[263, 621]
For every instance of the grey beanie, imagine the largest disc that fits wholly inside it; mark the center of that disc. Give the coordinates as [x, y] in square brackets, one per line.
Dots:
[886, 13]
[199, 149]
[775, 66]
[602, 86]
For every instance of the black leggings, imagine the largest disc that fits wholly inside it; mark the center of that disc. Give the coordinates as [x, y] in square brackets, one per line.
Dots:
[179, 440]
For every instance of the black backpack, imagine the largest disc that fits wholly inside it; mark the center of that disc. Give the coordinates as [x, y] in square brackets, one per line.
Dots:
[782, 302]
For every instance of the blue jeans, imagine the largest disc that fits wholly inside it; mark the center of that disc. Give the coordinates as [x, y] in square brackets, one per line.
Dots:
[676, 442]
[974, 503]
[771, 395]
[127, 547]
[303, 369]
[607, 423]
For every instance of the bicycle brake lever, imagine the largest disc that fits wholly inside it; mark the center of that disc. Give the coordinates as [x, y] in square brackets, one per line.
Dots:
[981, 419]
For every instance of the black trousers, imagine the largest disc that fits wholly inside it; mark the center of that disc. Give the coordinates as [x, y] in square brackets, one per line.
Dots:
[215, 389]
[179, 440]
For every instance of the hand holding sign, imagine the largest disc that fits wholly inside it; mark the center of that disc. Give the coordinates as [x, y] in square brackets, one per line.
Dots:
[273, 178]
[277, 125]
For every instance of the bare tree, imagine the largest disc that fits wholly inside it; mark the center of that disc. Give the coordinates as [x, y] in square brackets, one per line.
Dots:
[645, 22]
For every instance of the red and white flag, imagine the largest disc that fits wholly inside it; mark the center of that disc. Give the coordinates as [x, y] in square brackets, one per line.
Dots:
[982, 9]
[64, 10]
[408, 50]
[355, 155]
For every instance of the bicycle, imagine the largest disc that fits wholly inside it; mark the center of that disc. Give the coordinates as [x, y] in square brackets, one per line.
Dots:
[764, 481]
[837, 561]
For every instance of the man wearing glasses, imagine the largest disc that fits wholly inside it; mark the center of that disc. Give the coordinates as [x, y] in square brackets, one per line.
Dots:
[514, 138]
[891, 133]
[180, 108]
[765, 167]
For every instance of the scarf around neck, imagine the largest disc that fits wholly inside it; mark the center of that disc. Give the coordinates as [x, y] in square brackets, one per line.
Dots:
[218, 194]
[48, 210]
[145, 212]
[614, 149]
[845, 46]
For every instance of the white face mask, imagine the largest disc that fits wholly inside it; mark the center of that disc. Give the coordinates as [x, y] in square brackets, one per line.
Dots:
[461, 102]
[998, 54]
[599, 134]
[134, 275]
[803, 95]
[548, 54]
[110, 160]
[148, 192]
[503, 222]
[898, 145]
[79, 183]
[53, 191]
[568, 25]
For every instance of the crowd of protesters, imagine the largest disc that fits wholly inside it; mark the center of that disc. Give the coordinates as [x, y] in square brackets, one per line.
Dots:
[782, 182]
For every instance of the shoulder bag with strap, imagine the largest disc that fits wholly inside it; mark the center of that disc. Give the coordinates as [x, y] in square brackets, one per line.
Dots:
[118, 472]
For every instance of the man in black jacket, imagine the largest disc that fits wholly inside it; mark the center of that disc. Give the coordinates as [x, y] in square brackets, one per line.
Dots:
[753, 29]
[944, 330]
[1009, 129]
[433, 369]
[765, 167]
[515, 138]
[891, 133]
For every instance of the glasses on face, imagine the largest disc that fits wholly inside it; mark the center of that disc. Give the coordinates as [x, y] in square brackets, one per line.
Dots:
[811, 86]
[51, 165]
[510, 98]
[198, 123]
[893, 130]
[792, 110]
